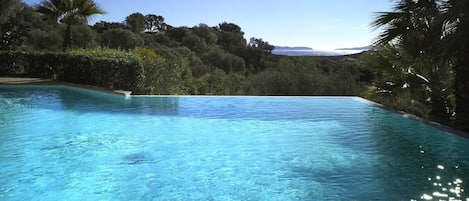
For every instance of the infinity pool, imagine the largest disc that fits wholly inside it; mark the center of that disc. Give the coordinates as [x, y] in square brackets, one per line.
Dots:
[63, 143]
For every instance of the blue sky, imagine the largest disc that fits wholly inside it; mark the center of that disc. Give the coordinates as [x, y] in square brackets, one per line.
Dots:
[320, 24]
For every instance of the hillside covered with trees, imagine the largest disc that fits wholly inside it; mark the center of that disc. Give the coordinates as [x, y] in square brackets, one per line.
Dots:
[180, 60]
[419, 63]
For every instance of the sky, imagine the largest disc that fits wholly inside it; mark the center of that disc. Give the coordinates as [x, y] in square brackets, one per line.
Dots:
[319, 24]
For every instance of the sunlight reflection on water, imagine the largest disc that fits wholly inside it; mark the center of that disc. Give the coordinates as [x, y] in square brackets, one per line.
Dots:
[447, 189]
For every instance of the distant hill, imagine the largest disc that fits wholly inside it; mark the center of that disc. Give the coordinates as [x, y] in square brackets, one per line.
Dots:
[364, 48]
[307, 51]
[286, 48]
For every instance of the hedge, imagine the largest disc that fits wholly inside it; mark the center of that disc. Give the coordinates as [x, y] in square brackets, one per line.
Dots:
[105, 68]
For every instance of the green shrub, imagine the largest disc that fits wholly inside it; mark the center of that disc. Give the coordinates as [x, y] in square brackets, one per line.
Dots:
[146, 54]
[101, 67]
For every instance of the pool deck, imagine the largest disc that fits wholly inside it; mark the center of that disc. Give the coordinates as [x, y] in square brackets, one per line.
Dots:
[23, 80]
[41, 81]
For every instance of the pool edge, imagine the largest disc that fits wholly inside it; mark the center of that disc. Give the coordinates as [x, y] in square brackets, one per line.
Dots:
[40, 81]
[416, 118]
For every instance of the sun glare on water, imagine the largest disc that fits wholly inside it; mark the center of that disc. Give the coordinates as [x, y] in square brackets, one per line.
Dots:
[446, 190]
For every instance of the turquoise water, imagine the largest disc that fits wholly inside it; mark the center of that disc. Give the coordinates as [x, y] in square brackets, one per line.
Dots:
[61, 143]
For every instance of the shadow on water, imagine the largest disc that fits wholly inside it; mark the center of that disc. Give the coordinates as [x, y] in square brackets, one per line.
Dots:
[87, 101]
[84, 101]
[380, 155]
[417, 161]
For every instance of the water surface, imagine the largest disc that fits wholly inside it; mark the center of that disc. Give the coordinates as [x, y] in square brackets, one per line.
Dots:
[62, 143]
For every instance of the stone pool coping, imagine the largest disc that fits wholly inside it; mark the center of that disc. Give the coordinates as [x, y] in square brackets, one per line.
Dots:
[22, 80]
[127, 94]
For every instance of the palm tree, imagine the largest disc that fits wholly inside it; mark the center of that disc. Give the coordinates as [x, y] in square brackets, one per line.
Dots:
[414, 25]
[456, 45]
[395, 84]
[414, 30]
[68, 12]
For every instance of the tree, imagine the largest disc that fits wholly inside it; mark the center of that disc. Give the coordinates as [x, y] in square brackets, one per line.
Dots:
[120, 39]
[44, 40]
[421, 85]
[456, 44]
[68, 12]
[209, 34]
[84, 37]
[231, 38]
[154, 23]
[420, 72]
[219, 59]
[177, 34]
[263, 45]
[26, 29]
[136, 22]
[103, 26]
[195, 43]
[12, 33]
[158, 39]
[414, 25]
[8, 8]
[256, 53]
[230, 27]
[12, 29]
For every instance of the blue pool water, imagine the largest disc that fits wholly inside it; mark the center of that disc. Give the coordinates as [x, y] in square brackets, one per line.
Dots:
[62, 143]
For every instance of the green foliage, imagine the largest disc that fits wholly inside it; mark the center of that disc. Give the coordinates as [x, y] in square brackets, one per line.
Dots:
[218, 58]
[8, 8]
[198, 67]
[102, 53]
[218, 82]
[44, 40]
[306, 76]
[231, 38]
[141, 71]
[195, 43]
[13, 29]
[154, 23]
[421, 85]
[68, 12]
[84, 37]
[120, 39]
[159, 39]
[32, 19]
[11, 62]
[145, 54]
[258, 43]
[164, 75]
[101, 67]
[177, 34]
[209, 34]
[13, 33]
[135, 22]
[102, 26]
[161, 59]
[424, 67]
[456, 45]
[40, 34]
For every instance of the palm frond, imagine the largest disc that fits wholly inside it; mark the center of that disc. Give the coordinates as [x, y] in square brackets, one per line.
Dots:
[69, 12]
